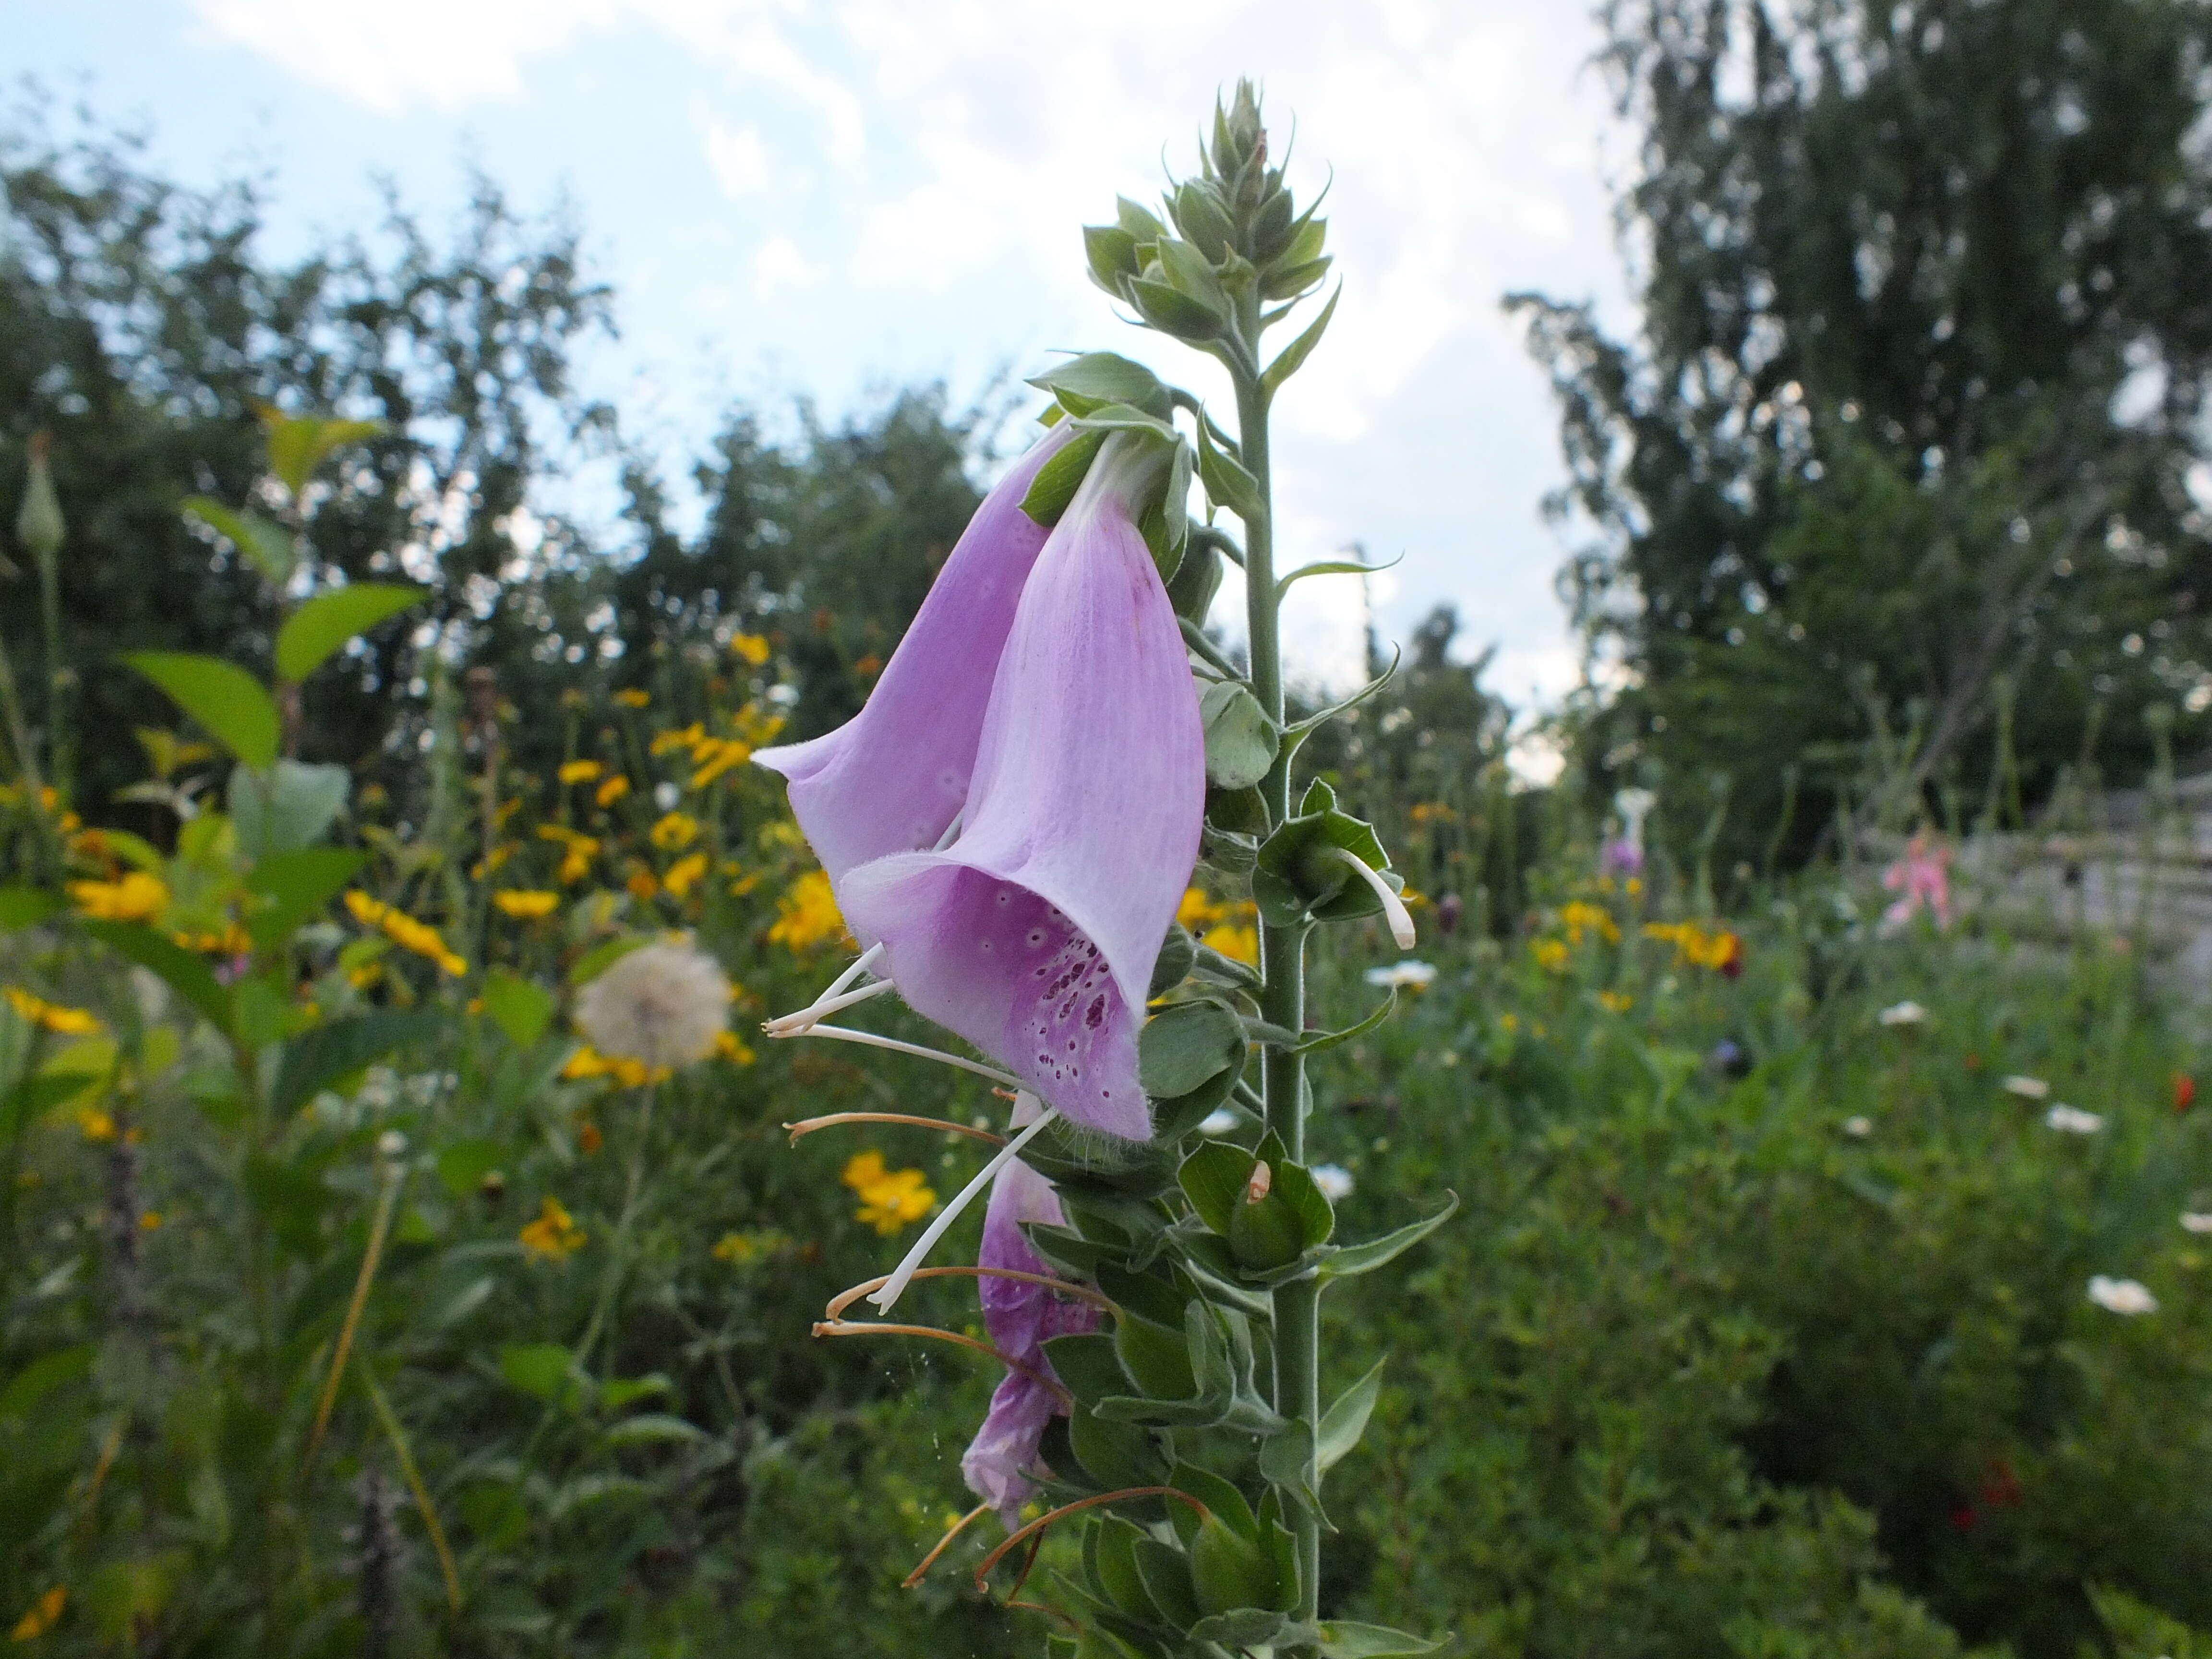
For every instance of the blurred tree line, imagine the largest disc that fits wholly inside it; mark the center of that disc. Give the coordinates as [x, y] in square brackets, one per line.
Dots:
[1906, 453]
[142, 325]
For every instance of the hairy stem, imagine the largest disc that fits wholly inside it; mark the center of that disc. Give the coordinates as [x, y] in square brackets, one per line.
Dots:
[1282, 959]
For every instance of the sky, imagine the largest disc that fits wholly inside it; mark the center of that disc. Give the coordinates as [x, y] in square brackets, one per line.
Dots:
[837, 198]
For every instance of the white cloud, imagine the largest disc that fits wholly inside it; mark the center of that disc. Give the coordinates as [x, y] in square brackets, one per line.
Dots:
[735, 155]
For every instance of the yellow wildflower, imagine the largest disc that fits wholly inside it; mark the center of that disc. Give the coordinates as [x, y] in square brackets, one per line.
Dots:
[1198, 911]
[807, 913]
[41, 1617]
[667, 742]
[1715, 948]
[589, 1062]
[716, 755]
[1235, 940]
[554, 1236]
[752, 648]
[578, 771]
[577, 863]
[1550, 953]
[732, 1047]
[890, 1198]
[1619, 1002]
[403, 931]
[1432, 811]
[95, 1125]
[674, 830]
[684, 874]
[49, 1016]
[631, 698]
[611, 791]
[739, 1249]
[526, 904]
[758, 724]
[137, 898]
[1509, 1024]
[1580, 917]
[148, 1220]
[232, 941]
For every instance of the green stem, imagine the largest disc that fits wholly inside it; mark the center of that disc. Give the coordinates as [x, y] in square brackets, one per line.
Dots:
[618, 1249]
[1282, 959]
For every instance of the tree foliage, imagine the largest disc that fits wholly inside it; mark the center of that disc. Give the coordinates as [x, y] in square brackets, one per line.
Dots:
[1919, 387]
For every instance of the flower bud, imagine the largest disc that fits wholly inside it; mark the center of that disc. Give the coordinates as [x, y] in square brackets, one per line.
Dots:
[39, 524]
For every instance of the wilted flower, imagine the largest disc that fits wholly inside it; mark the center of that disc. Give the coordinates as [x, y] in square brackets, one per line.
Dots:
[2069, 1120]
[1923, 876]
[2122, 1296]
[1334, 1180]
[2028, 1088]
[1021, 1318]
[1903, 1013]
[1406, 974]
[1033, 935]
[663, 1004]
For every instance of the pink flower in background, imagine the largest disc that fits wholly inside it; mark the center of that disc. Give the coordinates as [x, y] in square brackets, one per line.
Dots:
[1923, 876]
[1021, 1318]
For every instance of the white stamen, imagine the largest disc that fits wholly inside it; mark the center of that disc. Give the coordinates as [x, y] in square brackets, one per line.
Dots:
[1393, 908]
[895, 1286]
[861, 963]
[846, 1034]
[951, 832]
[822, 1008]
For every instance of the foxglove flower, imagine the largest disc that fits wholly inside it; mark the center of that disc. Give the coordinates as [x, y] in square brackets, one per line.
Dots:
[1021, 1318]
[1033, 935]
[892, 778]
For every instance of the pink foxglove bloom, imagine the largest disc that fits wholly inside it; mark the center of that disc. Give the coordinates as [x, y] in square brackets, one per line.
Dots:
[892, 778]
[1033, 935]
[1020, 1318]
[1923, 876]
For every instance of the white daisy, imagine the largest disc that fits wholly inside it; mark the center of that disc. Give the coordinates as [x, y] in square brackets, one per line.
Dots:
[2122, 1296]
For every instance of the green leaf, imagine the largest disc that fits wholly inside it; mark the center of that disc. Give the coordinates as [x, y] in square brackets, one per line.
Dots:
[1191, 273]
[26, 906]
[186, 974]
[600, 957]
[1345, 1421]
[1297, 879]
[226, 701]
[1343, 1638]
[1059, 478]
[1213, 1178]
[619, 1391]
[1242, 1627]
[545, 1370]
[1330, 1039]
[1285, 1460]
[299, 443]
[285, 807]
[321, 1054]
[269, 546]
[1357, 1259]
[1295, 1185]
[653, 1428]
[463, 1165]
[1286, 282]
[521, 1007]
[42, 1377]
[1184, 1045]
[1112, 252]
[1172, 312]
[1293, 356]
[1240, 740]
[1226, 480]
[34, 1095]
[1172, 966]
[1087, 1365]
[1101, 378]
[1313, 722]
[326, 621]
[294, 886]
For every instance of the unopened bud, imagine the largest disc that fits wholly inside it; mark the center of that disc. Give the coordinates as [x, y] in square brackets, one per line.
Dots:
[1262, 1179]
[39, 524]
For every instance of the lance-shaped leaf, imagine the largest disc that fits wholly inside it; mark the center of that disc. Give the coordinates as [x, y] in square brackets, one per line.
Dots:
[1293, 356]
[299, 443]
[1330, 1039]
[267, 546]
[1033, 935]
[228, 702]
[1345, 1421]
[1346, 1639]
[1098, 379]
[891, 779]
[1225, 478]
[183, 973]
[1355, 1259]
[326, 621]
[320, 1055]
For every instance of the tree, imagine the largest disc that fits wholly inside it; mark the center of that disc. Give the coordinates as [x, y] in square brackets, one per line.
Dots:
[1924, 352]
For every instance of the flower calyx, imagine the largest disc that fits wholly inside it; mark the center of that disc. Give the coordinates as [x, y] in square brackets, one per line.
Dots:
[1322, 864]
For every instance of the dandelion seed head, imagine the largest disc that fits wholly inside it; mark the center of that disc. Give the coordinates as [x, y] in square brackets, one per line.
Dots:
[665, 1004]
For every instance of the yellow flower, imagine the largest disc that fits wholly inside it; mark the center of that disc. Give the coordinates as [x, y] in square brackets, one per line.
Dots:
[716, 755]
[41, 1617]
[807, 913]
[1579, 917]
[553, 1237]
[631, 698]
[611, 791]
[1432, 811]
[1239, 940]
[578, 771]
[137, 897]
[403, 931]
[589, 1062]
[684, 874]
[1197, 910]
[1550, 953]
[148, 1220]
[526, 904]
[676, 829]
[890, 1198]
[51, 1017]
[1619, 1002]
[732, 1047]
[232, 941]
[95, 1125]
[752, 648]
[758, 724]
[1509, 1023]
[1695, 945]
[740, 1249]
[666, 742]
[588, 1137]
